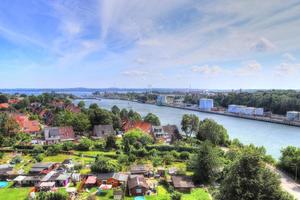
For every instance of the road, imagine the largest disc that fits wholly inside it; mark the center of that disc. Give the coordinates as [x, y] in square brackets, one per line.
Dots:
[287, 183]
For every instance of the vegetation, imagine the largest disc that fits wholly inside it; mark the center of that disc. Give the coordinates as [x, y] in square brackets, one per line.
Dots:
[190, 124]
[152, 119]
[206, 164]
[290, 160]
[213, 132]
[104, 165]
[247, 178]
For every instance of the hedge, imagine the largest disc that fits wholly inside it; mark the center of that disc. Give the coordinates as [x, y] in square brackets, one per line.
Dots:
[171, 148]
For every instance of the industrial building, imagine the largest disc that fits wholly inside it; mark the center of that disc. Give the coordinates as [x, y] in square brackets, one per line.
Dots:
[293, 115]
[244, 110]
[206, 104]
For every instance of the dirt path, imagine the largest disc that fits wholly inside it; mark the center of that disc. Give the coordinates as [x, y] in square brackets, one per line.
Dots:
[287, 183]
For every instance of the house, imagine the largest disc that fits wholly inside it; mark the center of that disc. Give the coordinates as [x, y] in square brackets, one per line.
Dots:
[5, 171]
[68, 164]
[107, 178]
[143, 126]
[102, 131]
[58, 134]
[90, 181]
[172, 132]
[137, 185]
[4, 105]
[26, 125]
[45, 186]
[42, 168]
[60, 179]
[182, 183]
[145, 170]
[73, 108]
[27, 180]
[121, 177]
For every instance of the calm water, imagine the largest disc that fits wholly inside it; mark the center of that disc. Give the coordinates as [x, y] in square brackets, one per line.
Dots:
[273, 136]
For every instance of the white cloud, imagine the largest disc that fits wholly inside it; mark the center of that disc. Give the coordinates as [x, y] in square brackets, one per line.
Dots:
[135, 73]
[250, 68]
[285, 69]
[207, 70]
[262, 45]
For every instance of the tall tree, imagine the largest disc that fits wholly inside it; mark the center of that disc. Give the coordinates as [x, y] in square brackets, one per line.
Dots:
[3, 98]
[248, 179]
[152, 119]
[190, 124]
[212, 131]
[206, 164]
[124, 114]
[116, 110]
[81, 104]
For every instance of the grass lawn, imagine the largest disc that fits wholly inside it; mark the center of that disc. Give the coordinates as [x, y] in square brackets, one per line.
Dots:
[197, 194]
[11, 193]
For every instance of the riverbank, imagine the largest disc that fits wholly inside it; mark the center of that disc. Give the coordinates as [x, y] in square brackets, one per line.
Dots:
[224, 113]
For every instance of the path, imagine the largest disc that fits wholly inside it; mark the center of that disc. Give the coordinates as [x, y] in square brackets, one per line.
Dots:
[287, 183]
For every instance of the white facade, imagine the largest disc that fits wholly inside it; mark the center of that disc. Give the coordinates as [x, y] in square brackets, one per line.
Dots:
[206, 104]
[292, 115]
[244, 110]
[161, 100]
[259, 111]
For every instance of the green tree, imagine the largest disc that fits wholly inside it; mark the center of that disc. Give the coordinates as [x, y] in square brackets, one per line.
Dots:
[290, 160]
[100, 116]
[8, 126]
[152, 119]
[110, 142]
[124, 114]
[135, 139]
[116, 110]
[81, 123]
[3, 98]
[85, 144]
[104, 165]
[212, 131]
[190, 124]
[81, 104]
[51, 196]
[249, 179]
[206, 164]
[134, 116]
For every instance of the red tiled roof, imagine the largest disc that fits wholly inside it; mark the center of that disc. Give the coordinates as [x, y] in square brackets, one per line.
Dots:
[143, 126]
[4, 105]
[66, 133]
[73, 108]
[26, 125]
[91, 180]
[13, 101]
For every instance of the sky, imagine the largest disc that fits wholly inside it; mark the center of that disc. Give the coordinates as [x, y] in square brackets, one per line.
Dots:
[220, 44]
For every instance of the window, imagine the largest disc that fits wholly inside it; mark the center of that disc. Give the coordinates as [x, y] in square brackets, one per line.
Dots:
[138, 190]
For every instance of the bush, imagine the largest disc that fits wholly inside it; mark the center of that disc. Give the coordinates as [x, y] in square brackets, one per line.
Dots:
[67, 146]
[84, 144]
[168, 159]
[16, 160]
[38, 157]
[175, 154]
[156, 161]
[123, 159]
[176, 195]
[104, 165]
[78, 167]
[184, 155]
[99, 145]
[53, 150]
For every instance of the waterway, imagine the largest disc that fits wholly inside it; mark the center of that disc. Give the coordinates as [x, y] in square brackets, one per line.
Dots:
[272, 136]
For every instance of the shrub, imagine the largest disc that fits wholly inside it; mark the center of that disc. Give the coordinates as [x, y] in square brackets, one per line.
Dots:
[85, 144]
[104, 165]
[176, 195]
[184, 155]
[123, 159]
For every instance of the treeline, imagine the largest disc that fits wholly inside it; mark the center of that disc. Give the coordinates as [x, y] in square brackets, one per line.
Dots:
[276, 101]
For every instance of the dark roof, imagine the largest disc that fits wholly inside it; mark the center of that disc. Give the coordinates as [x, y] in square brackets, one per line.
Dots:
[139, 169]
[137, 181]
[182, 182]
[104, 176]
[103, 130]
[123, 177]
[32, 178]
[62, 133]
[43, 165]
[172, 130]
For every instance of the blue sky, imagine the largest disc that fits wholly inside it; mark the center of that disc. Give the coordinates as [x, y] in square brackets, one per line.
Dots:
[222, 44]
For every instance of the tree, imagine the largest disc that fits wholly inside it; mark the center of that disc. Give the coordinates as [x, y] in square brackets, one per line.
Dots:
[290, 160]
[176, 195]
[135, 139]
[212, 131]
[104, 165]
[93, 106]
[85, 144]
[8, 125]
[134, 116]
[100, 116]
[124, 114]
[116, 110]
[81, 104]
[189, 124]
[3, 98]
[205, 164]
[81, 123]
[117, 122]
[110, 142]
[51, 196]
[249, 179]
[152, 119]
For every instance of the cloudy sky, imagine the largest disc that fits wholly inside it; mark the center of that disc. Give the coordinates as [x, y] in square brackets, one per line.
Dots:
[140, 43]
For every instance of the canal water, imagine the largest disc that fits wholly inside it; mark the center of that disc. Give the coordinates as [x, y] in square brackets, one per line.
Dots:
[273, 137]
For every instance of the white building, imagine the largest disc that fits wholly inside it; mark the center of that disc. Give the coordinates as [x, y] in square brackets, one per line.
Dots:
[249, 111]
[206, 104]
[292, 115]
[259, 111]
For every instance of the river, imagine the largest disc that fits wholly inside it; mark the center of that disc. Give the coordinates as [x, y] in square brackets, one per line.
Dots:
[273, 137]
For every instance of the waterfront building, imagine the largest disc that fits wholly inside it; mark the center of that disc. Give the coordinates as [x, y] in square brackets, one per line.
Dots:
[259, 111]
[249, 111]
[292, 115]
[206, 104]
[244, 110]
[165, 99]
